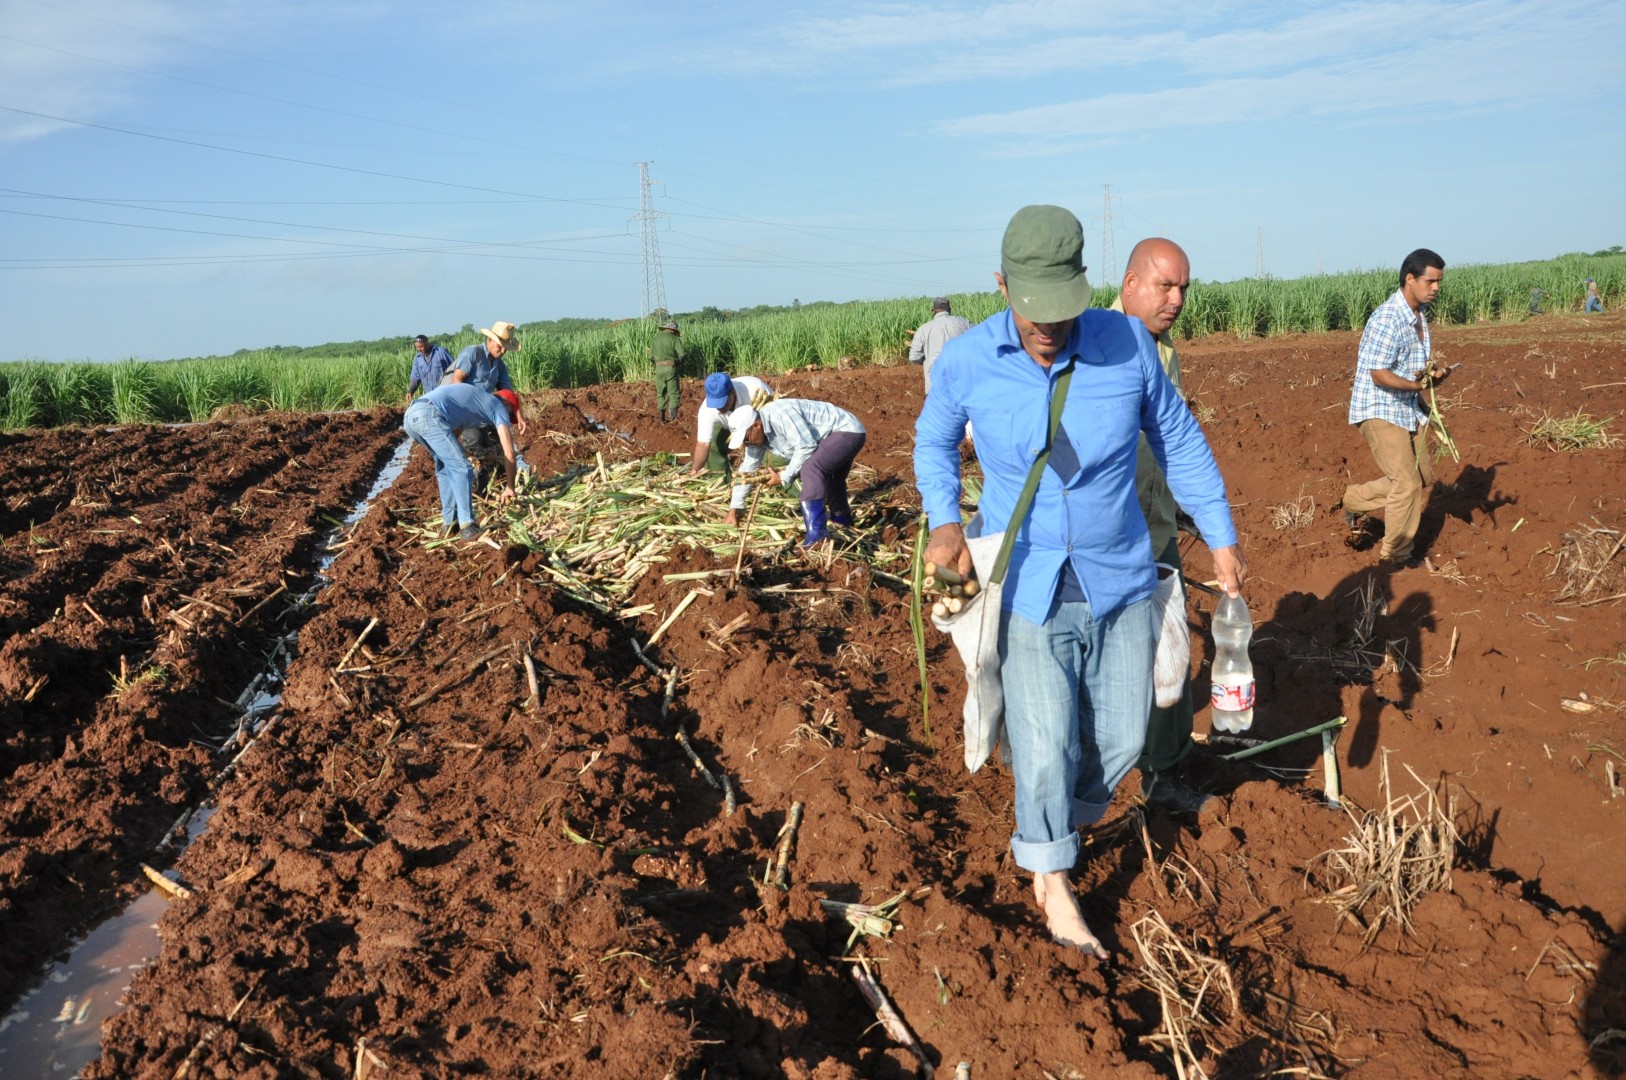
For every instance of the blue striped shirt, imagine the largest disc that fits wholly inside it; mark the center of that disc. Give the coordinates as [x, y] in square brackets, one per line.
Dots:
[1395, 339]
[1085, 512]
[794, 427]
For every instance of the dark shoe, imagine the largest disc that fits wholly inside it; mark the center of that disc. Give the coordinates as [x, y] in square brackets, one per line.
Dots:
[1410, 562]
[844, 520]
[470, 532]
[1166, 791]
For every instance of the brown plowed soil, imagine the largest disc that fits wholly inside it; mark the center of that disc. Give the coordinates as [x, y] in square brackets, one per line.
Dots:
[417, 870]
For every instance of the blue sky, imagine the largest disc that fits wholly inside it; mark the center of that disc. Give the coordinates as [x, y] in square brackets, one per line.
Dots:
[181, 178]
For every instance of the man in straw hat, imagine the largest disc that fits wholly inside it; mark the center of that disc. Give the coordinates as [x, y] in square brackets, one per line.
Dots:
[666, 352]
[481, 365]
[1077, 632]
[433, 422]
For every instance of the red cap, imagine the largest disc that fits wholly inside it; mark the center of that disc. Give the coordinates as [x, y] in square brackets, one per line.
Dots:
[510, 399]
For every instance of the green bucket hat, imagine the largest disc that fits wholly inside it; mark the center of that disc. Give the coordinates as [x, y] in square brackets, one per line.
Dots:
[1042, 260]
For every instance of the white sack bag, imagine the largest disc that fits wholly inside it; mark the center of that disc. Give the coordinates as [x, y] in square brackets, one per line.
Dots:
[1173, 663]
[975, 631]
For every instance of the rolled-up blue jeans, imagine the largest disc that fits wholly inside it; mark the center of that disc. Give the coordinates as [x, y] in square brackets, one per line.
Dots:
[1077, 693]
[453, 473]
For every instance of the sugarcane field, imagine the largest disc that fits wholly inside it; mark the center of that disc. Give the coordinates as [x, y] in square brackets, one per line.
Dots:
[620, 789]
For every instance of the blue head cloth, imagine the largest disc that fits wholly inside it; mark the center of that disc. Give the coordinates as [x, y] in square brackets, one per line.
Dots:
[718, 387]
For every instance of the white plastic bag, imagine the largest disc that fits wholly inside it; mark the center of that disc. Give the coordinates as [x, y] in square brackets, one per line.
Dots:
[975, 630]
[1173, 664]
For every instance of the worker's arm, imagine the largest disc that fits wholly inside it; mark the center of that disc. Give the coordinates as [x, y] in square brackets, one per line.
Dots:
[509, 463]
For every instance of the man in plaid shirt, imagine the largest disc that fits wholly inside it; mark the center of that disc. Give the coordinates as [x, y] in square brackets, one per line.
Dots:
[1393, 367]
[818, 441]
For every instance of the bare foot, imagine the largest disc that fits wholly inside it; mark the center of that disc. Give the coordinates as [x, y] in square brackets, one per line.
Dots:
[1055, 894]
[731, 518]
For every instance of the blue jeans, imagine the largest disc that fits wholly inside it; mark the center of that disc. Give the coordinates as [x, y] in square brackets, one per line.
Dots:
[1593, 304]
[453, 473]
[1077, 693]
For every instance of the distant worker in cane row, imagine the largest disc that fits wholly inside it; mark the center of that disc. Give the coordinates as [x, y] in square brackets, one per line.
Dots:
[933, 334]
[1594, 302]
[818, 440]
[724, 394]
[666, 353]
[430, 363]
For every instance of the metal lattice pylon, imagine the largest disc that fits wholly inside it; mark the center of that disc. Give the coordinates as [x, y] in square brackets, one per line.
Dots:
[1109, 255]
[654, 282]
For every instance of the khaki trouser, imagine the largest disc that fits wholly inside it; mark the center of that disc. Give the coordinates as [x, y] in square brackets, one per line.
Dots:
[1407, 474]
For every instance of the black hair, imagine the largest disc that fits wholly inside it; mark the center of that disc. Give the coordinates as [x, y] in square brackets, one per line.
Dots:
[1418, 262]
[421, 338]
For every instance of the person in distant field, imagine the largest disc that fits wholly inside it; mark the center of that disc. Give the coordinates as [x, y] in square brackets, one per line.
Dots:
[433, 422]
[1393, 367]
[1536, 294]
[933, 335]
[666, 352]
[1594, 303]
[1154, 291]
[430, 362]
[818, 441]
[1077, 635]
[482, 365]
[723, 396]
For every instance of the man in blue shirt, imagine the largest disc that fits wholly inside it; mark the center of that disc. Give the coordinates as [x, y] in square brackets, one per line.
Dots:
[429, 366]
[482, 365]
[434, 421]
[1077, 633]
[1392, 367]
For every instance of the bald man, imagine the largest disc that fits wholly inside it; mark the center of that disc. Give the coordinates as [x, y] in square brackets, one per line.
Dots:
[1154, 291]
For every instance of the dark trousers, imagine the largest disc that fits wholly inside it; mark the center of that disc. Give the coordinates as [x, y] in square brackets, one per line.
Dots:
[666, 387]
[824, 476]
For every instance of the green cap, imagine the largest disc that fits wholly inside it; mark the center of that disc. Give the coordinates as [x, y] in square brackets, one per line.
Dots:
[1042, 260]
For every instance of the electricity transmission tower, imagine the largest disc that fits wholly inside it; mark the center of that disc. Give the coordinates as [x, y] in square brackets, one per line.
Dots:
[654, 284]
[1109, 256]
[1259, 252]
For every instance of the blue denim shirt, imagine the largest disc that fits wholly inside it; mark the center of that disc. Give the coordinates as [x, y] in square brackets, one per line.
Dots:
[488, 374]
[1085, 511]
[463, 405]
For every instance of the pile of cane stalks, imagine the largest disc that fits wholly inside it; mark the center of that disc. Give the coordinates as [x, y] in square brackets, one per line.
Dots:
[604, 525]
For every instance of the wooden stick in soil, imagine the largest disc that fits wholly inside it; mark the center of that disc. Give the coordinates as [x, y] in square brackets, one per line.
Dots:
[787, 840]
[683, 605]
[359, 639]
[173, 889]
[245, 616]
[745, 530]
[890, 1018]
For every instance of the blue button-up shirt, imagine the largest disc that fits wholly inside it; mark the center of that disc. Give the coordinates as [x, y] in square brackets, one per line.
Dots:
[1090, 518]
[488, 374]
[1395, 339]
[428, 368]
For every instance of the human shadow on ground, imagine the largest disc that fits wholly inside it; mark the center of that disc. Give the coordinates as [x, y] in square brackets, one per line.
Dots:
[1358, 634]
[1603, 1018]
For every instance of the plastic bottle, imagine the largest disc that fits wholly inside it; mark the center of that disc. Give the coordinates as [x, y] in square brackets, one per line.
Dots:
[1232, 673]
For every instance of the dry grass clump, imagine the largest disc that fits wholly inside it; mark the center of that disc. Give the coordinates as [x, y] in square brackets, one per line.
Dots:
[1578, 432]
[1587, 565]
[1196, 992]
[1292, 516]
[1397, 855]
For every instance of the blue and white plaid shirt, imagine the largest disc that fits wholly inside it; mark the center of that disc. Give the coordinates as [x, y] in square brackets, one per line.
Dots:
[794, 427]
[1396, 339]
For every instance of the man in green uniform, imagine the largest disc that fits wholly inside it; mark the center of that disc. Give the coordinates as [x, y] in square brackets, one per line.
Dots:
[1154, 291]
[666, 350]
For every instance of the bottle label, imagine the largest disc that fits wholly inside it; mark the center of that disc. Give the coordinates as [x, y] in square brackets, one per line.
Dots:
[1235, 698]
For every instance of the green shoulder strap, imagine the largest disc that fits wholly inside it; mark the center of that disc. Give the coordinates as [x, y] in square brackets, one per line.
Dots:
[1024, 501]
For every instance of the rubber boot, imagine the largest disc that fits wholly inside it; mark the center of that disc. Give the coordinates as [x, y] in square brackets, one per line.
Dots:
[843, 519]
[813, 515]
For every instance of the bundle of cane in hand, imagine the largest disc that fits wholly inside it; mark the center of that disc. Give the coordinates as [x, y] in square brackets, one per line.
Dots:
[759, 398]
[951, 590]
